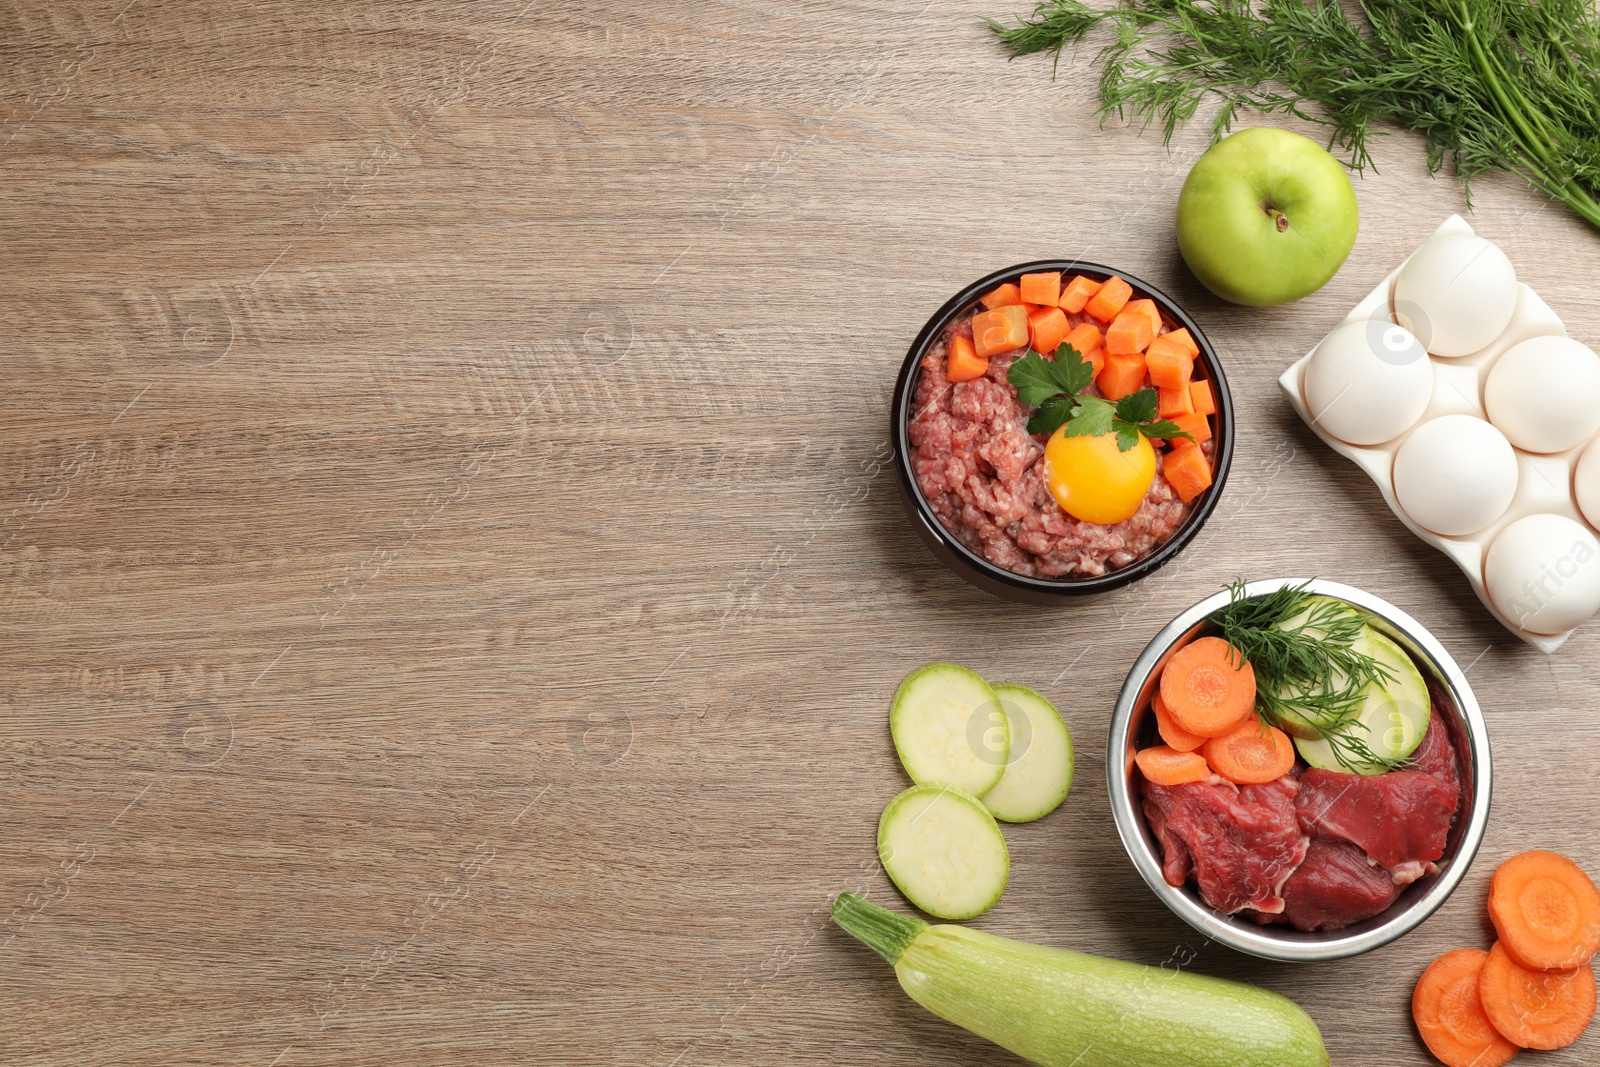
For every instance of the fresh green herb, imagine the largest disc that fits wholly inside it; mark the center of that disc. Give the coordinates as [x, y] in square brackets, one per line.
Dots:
[1313, 671]
[1137, 413]
[1510, 85]
[1052, 414]
[1095, 417]
[1037, 378]
[1055, 387]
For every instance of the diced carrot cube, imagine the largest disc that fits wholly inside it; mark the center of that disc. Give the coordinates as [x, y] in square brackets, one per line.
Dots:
[1148, 308]
[1201, 397]
[1196, 426]
[1001, 296]
[1187, 470]
[1000, 330]
[1181, 335]
[1170, 363]
[1085, 337]
[1109, 299]
[1129, 333]
[1042, 288]
[964, 363]
[1123, 374]
[1077, 293]
[1171, 403]
[1047, 328]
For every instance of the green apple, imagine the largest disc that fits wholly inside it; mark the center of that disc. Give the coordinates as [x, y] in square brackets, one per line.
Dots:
[1266, 216]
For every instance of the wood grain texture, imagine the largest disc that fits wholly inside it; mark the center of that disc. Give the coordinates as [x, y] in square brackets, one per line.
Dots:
[452, 583]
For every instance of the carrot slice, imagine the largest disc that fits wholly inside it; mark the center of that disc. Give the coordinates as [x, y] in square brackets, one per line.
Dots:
[1085, 337]
[1109, 299]
[1184, 338]
[1186, 469]
[1043, 288]
[1170, 363]
[1167, 766]
[1536, 1009]
[1174, 735]
[1129, 333]
[1077, 293]
[1196, 426]
[964, 363]
[1001, 330]
[1001, 296]
[1122, 375]
[1449, 1013]
[1047, 328]
[1252, 753]
[1148, 309]
[1171, 403]
[1209, 687]
[1201, 397]
[1546, 911]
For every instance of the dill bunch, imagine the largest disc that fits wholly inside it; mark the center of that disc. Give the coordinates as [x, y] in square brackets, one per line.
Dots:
[1494, 85]
[1313, 670]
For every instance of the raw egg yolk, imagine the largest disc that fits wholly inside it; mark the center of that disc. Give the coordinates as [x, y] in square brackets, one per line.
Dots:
[1095, 481]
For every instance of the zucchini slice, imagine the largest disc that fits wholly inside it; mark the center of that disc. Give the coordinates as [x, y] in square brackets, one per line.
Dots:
[949, 729]
[944, 851]
[1039, 774]
[1394, 715]
[1317, 610]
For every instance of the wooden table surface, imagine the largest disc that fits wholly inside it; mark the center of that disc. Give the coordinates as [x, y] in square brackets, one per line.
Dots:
[453, 583]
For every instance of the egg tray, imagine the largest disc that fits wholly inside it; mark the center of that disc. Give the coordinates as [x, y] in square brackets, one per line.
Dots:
[1544, 482]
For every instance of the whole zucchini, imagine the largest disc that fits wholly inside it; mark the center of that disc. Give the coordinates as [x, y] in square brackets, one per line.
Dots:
[1068, 1009]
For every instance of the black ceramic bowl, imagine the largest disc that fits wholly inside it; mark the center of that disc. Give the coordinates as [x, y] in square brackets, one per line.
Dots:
[973, 567]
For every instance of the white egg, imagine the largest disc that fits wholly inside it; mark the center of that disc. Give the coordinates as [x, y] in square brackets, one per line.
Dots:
[1544, 394]
[1456, 293]
[1368, 382]
[1455, 475]
[1543, 573]
[1586, 483]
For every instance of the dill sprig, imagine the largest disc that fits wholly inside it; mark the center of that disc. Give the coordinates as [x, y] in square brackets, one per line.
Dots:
[1313, 671]
[1510, 85]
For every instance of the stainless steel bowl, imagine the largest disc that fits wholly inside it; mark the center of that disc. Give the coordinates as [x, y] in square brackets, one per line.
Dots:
[1418, 901]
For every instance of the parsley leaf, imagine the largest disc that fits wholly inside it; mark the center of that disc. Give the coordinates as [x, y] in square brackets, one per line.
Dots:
[1072, 370]
[1137, 407]
[1034, 378]
[1037, 379]
[1094, 418]
[1052, 414]
[1127, 434]
[1165, 428]
[1053, 386]
[1137, 414]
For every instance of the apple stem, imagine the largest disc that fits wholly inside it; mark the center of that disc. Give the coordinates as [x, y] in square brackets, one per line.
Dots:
[1279, 219]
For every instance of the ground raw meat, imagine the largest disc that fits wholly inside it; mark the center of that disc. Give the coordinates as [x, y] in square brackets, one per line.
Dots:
[1370, 836]
[979, 469]
[1240, 843]
[1336, 885]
